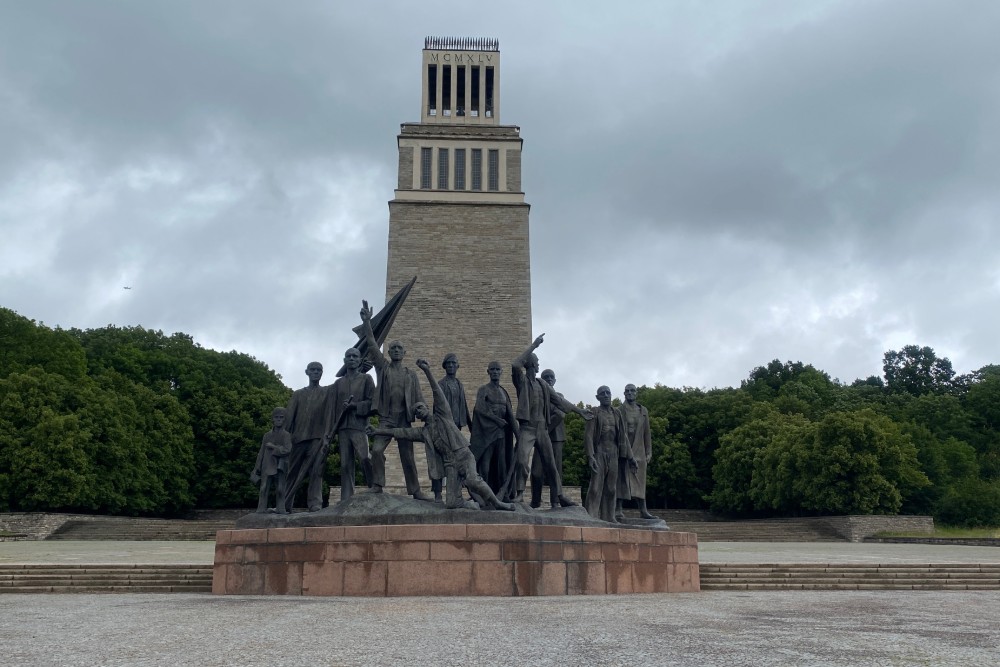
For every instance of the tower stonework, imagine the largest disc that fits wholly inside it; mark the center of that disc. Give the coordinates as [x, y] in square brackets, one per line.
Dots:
[458, 220]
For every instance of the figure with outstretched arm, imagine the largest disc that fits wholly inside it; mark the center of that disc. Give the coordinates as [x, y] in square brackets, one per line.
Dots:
[535, 399]
[440, 432]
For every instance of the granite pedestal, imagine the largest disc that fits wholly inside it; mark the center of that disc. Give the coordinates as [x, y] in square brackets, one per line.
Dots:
[414, 548]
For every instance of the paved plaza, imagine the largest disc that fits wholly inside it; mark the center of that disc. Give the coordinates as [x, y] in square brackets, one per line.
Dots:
[711, 628]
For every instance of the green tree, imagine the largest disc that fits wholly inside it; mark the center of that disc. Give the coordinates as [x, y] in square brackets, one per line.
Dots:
[917, 370]
[857, 463]
[971, 503]
[670, 474]
[737, 460]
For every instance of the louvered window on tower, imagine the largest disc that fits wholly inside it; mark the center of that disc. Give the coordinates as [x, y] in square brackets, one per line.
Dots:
[442, 169]
[432, 77]
[494, 170]
[477, 169]
[425, 168]
[459, 168]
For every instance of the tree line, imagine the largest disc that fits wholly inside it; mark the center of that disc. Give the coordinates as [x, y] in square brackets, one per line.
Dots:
[791, 441]
[126, 420]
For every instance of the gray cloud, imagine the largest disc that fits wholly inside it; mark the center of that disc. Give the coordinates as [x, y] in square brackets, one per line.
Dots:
[712, 186]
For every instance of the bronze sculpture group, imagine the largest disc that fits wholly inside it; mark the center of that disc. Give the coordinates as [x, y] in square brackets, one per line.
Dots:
[506, 447]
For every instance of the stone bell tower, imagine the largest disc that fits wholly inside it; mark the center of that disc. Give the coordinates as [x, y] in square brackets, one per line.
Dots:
[459, 221]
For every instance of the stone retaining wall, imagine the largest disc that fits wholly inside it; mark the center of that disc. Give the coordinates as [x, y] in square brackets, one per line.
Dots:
[857, 528]
[454, 559]
[33, 525]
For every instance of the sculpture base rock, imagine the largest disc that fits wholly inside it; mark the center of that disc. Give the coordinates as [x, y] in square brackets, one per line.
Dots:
[424, 549]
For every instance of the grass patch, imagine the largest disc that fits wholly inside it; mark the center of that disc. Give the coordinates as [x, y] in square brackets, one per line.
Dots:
[944, 531]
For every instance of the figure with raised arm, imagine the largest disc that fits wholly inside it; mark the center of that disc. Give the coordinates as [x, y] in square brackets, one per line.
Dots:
[440, 432]
[494, 428]
[534, 403]
[351, 403]
[396, 396]
[605, 441]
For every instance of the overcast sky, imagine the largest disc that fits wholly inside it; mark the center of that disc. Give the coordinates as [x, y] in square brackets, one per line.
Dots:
[713, 185]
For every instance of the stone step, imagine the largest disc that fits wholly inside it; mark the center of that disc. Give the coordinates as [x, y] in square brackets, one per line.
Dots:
[838, 586]
[140, 529]
[37, 578]
[850, 576]
[126, 588]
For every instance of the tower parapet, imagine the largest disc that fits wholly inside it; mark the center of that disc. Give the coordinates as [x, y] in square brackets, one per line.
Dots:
[461, 81]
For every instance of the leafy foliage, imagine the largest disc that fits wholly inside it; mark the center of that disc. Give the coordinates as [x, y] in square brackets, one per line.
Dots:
[133, 421]
[126, 420]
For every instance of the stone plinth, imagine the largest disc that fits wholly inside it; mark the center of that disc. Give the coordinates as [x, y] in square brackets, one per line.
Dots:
[454, 559]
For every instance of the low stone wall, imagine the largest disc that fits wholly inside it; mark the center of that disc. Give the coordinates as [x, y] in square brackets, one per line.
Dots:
[454, 559]
[960, 541]
[33, 525]
[856, 528]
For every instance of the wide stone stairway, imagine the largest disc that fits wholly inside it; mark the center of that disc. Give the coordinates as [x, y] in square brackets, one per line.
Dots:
[715, 576]
[124, 578]
[849, 576]
[128, 528]
[755, 530]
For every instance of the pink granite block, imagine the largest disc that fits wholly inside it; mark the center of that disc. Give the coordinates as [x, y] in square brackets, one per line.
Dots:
[620, 552]
[219, 578]
[585, 578]
[650, 577]
[682, 578]
[492, 578]
[364, 533]
[282, 535]
[426, 532]
[365, 579]
[497, 532]
[517, 551]
[618, 577]
[300, 553]
[527, 578]
[599, 534]
[552, 579]
[248, 536]
[556, 533]
[636, 535]
[549, 551]
[347, 551]
[325, 534]
[685, 554]
[656, 553]
[228, 553]
[465, 550]
[247, 579]
[583, 551]
[429, 578]
[283, 579]
[263, 553]
[394, 551]
[669, 537]
[323, 578]
[223, 536]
